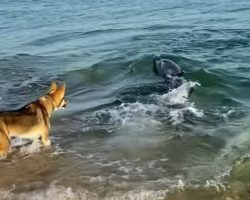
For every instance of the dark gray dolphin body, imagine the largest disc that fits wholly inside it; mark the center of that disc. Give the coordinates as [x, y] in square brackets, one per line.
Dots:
[166, 68]
[169, 71]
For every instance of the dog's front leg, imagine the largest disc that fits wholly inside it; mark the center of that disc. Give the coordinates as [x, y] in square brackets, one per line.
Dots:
[45, 138]
[4, 144]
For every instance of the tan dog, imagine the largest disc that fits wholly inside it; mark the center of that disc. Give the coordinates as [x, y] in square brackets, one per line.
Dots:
[31, 121]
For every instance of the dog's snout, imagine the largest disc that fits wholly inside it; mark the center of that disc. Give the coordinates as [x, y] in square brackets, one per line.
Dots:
[65, 103]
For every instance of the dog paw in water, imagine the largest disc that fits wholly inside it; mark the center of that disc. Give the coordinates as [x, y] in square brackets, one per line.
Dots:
[3, 157]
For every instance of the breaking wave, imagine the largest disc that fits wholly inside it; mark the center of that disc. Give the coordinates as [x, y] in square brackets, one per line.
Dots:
[169, 107]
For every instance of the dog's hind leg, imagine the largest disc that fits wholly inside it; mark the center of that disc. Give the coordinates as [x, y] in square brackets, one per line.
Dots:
[4, 143]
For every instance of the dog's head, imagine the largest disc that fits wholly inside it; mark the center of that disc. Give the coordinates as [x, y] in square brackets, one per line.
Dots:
[57, 96]
[54, 99]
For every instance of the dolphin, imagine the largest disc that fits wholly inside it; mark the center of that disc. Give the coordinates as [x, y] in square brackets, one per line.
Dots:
[166, 68]
[169, 71]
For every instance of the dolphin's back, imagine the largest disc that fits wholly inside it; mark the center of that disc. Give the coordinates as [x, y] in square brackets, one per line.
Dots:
[165, 67]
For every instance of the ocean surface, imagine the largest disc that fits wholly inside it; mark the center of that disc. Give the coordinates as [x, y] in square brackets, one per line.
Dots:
[125, 135]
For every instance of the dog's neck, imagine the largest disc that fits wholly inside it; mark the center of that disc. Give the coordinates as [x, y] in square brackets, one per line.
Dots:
[48, 103]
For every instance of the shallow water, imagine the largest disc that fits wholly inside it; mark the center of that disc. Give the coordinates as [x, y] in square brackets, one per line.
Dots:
[124, 134]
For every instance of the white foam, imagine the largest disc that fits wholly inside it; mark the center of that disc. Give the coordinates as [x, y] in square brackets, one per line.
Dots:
[239, 141]
[58, 151]
[195, 111]
[34, 147]
[97, 179]
[164, 159]
[174, 104]
[216, 184]
[28, 147]
[127, 170]
[180, 184]
[56, 192]
[129, 113]
[179, 95]
[224, 112]
[140, 195]
[6, 194]
[109, 164]
[16, 142]
[177, 115]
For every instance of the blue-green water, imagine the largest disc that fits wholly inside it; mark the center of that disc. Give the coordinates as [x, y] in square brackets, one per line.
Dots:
[124, 135]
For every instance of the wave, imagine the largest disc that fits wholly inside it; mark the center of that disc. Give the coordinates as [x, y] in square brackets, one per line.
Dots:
[57, 192]
[75, 35]
[172, 106]
[210, 190]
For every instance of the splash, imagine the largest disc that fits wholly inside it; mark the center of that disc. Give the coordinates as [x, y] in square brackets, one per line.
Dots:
[129, 113]
[215, 184]
[174, 105]
[7, 194]
[34, 147]
[179, 95]
[180, 184]
[56, 192]
[178, 103]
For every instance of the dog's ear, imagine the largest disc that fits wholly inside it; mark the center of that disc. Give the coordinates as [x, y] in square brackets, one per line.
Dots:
[53, 87]
[62, 89]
